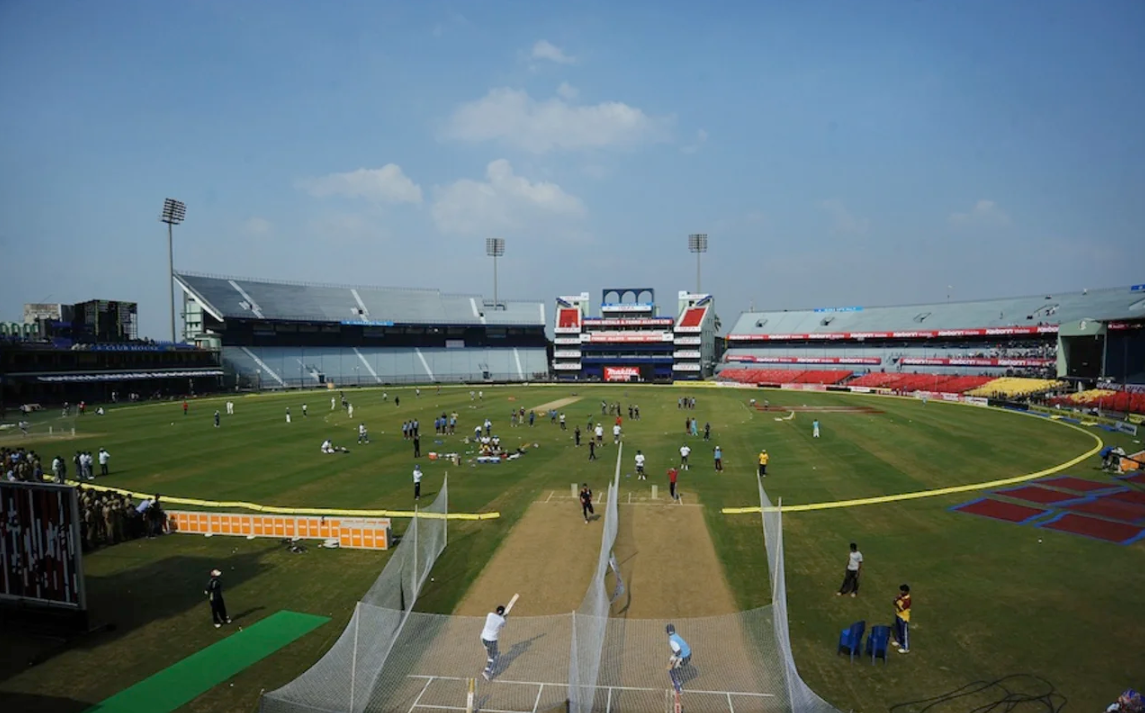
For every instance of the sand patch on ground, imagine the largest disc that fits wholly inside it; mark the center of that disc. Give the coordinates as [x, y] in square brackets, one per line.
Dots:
[669, 564]
[548, 557]
[559, 403]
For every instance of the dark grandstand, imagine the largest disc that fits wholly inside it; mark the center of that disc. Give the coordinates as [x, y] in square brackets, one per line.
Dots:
[292, 335]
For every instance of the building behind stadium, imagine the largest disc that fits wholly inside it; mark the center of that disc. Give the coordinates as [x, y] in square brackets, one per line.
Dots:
[92, 351]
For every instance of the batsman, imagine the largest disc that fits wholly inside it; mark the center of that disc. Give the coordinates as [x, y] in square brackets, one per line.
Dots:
[681, 656]
[494, 623]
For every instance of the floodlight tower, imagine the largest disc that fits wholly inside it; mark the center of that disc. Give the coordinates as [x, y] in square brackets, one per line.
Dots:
[698, 244]
[173, 214]
[495, 248]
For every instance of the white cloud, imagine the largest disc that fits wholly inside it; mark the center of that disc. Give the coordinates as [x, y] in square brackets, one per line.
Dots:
[382, 185]
[844, 221]
[503, 202]
[454, 19]
[984, 213]
[258, 227]
[567, 92]
[548, 51]
[516, 119]
[701, 139]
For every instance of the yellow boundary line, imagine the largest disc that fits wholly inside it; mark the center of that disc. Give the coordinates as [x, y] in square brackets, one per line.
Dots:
[273, 509]
[836, 504]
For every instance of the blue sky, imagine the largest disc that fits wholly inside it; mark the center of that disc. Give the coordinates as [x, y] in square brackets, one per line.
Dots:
[838, 153]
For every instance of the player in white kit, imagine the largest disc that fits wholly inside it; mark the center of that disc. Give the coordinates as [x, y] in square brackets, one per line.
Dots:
[640, 466]
[494, 623]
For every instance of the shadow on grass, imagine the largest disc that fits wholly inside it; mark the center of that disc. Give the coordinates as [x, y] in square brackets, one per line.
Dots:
[123, 602]
[31, 703]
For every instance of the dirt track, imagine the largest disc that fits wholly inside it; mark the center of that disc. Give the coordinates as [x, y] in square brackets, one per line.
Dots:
[669, 564]
[559, 403]
[548, 557]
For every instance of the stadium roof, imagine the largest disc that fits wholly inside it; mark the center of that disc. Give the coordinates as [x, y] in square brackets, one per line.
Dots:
[1049, 309]
[245, 298]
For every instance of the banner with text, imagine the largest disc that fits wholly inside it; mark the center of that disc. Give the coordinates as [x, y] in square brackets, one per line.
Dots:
[748, 359]
[911, 334]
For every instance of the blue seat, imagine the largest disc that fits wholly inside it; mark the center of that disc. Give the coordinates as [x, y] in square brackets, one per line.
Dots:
[851, 639]
[877, 642]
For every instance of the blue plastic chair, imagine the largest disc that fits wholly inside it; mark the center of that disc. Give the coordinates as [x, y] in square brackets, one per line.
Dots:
[877, 642]
[851, 639]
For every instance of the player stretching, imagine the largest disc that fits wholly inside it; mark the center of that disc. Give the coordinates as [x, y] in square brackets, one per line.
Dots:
[681, 657]
[494, 623]
[586, 502]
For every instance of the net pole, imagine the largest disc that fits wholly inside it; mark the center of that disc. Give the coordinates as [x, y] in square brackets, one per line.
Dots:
[445, 529]
[416, 576]
[574, 679]
[354, 655]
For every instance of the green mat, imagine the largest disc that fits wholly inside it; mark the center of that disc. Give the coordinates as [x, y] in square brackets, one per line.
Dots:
[178, 684]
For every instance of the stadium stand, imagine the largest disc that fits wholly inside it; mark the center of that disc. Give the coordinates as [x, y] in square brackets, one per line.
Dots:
[1011, 387]
[1085, 336]
[1105, 400]
[286, 335]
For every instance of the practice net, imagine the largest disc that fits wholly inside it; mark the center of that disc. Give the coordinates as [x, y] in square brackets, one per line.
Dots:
[393, 659]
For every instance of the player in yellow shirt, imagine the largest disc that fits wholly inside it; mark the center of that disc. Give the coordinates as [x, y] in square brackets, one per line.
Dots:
[763, 458]
[902, 620]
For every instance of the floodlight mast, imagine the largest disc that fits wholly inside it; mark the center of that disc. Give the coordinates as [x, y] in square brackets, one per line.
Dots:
[173, 214]
[495, 248]
[698, 244]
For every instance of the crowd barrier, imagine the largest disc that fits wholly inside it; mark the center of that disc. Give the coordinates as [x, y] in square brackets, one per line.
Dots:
[353, 533]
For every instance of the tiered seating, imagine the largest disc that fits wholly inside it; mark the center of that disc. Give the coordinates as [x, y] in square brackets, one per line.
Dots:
[962, 384]
[1014, 387]
[1090, 397]
[823, 376]
[876, 381]
[1106, 400]
[943, 383]
[761, 376]
[692, 317]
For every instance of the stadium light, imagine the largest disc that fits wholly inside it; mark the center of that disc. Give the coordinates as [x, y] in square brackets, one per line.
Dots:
[698, 244]
[173, 214]
[495, 248]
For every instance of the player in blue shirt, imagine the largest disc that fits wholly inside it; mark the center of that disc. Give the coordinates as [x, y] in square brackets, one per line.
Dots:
[681, 656]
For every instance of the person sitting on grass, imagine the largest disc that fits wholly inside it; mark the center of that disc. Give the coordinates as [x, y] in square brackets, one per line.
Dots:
[1129, 702]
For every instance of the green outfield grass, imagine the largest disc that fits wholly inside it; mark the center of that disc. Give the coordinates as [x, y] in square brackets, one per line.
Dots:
[990, 600]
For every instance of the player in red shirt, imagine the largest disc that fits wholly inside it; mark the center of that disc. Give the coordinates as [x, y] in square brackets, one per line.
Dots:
[672, 475]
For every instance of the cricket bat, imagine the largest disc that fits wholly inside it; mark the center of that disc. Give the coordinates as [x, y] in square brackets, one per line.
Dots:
[509, 606]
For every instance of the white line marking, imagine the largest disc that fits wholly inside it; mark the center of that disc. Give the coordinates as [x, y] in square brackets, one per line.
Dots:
[367, 365]
[425, 364]
[615, 688]
[253, 305]
[361, 305]
[263, 365]
[423, 689]
[540, 690]
[461, 708]
[550, 496]
[608, 707]
[731, 708]
[476, 312]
